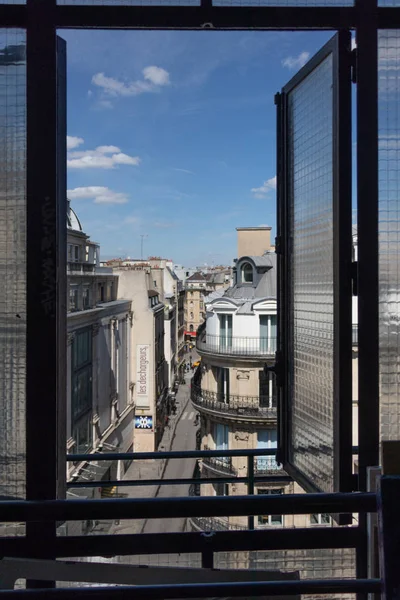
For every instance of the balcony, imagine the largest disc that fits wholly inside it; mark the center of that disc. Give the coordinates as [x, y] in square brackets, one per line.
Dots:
[206, 514]
[266, 465]
[215, 524]
[240, 407]
[245, 347]
[220, 465]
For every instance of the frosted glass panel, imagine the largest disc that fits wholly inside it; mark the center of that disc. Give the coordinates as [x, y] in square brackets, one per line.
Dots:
[12, 262]
[310, 106]
[389, 232]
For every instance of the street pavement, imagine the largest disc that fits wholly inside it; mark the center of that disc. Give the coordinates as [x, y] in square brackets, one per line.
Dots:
[180, 436]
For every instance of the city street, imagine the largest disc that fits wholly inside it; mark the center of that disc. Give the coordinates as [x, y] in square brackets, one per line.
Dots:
[180, 435]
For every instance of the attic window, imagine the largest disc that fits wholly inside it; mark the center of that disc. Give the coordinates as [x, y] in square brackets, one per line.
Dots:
[247, 273]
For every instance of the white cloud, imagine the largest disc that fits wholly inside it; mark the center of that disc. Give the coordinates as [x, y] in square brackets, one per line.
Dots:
[99, 195]
[103, 157]
[156, 75]
[105, 104]
[267, 186]
[73, 142]
[153, 79]
[296, 62]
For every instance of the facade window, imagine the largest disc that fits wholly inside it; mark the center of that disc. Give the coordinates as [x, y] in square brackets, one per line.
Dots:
[267, 389]
[191, 293]
[268, 333]
[191, 316]
[73, 299]
[81, 389]
[247, 273]
[191, 327]
[320, 519]
[270, 520]
[266, 438]
[191, 301]
[221, 438]
[222, 377]
[82, 433]
[225, 331]
[86, 298]
[221, 489]
[101, 292]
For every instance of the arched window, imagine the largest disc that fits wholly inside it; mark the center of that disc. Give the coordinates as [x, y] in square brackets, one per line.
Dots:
[247, 273]
[191, 327]
[191, 315]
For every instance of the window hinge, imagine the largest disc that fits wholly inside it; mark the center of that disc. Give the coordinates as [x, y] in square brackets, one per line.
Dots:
[353, 64]
[354, 278]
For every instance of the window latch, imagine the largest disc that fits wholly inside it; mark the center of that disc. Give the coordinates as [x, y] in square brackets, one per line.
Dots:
[276, 368]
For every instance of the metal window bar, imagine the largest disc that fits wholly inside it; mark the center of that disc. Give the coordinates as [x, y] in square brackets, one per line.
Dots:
[41, 20]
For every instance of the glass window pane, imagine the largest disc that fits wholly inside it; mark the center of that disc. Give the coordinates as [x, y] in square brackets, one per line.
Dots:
[310, 139]
[389, 230]
[12, 261]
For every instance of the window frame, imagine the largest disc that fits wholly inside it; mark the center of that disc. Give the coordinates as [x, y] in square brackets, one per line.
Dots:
[269, 523]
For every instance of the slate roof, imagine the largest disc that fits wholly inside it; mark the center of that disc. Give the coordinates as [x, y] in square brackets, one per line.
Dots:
[196, 277]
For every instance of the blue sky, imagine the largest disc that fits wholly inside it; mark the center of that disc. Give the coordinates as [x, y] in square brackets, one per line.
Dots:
[172, 135]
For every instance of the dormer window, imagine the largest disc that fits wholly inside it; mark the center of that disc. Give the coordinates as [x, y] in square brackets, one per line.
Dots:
[247, 273]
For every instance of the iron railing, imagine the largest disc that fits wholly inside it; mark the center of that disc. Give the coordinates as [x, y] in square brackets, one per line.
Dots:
[266, 465]
[235, 345]
[215, 524]
[208, 513]
[260, 407]
[219, 464]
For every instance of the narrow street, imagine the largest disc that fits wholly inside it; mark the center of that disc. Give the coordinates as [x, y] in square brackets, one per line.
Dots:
[184, 439]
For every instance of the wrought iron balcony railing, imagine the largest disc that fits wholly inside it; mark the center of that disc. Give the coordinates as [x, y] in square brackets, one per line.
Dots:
[215, 524]
[259, 407]
[235, 345]
[220, 464]
[266, 465]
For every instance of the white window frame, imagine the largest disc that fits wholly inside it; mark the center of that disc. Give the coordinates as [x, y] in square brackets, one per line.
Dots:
[318, 519]
[267, 519]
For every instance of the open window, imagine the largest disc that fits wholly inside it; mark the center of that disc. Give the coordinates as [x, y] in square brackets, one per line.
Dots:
[314, 278]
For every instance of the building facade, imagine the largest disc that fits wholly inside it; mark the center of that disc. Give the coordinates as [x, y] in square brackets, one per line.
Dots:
[147, 357]
[100, 410]
[235, 392]
[195, 287]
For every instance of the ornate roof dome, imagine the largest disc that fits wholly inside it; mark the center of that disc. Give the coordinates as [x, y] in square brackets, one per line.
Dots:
[72, 219]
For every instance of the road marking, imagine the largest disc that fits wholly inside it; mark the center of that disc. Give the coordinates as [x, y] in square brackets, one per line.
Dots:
[184, 415]
[191, 416]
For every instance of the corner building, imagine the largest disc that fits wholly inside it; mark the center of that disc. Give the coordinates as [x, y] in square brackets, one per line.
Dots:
[235, 394]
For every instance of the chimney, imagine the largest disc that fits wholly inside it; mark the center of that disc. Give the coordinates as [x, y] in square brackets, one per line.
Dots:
[253, 241]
